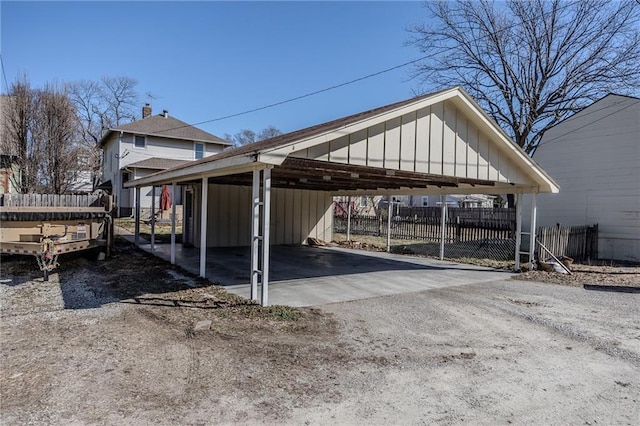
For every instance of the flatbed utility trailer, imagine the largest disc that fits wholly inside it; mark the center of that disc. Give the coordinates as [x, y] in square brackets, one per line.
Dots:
[46, 226]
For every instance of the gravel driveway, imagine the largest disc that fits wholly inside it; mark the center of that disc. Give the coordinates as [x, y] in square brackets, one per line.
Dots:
[504, 352]
[79, 350]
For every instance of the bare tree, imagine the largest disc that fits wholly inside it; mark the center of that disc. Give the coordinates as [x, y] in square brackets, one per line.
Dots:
[246, 136]
[531, 64]
[120, 98]
[268, 133]
[101, 105]
[54, 132]
[40, 133]
[17, 141]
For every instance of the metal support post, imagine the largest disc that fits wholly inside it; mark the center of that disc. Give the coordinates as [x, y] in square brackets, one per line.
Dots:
[255, 234]
[443, 223]
[203, 226]
[173, 223]
[266, 213]
[532, 235]
[137, 219]
[518, 230]
[153, 218]
[349, 218]
[389, 226]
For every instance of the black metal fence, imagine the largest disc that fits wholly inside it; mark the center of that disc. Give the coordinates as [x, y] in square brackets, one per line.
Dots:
[469, 232]
[424, 223]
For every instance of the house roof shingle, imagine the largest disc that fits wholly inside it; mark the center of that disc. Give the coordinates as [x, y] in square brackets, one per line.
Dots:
[165, 127]
[157, 163]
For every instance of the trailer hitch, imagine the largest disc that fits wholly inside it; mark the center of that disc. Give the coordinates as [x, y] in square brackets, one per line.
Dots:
[47, 257]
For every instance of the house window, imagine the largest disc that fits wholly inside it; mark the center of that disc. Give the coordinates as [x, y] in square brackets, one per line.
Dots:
[125, 178]
[425, 201]
[198, 150]
[364, 202]
[139, 142]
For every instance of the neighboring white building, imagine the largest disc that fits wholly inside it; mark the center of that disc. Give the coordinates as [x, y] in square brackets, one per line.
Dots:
[364, 205]
[144, 147]
[9, 174]
[466, 200]
[594, 156]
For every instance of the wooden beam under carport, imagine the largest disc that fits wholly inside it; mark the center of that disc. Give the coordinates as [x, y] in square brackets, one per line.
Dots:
[332, 177]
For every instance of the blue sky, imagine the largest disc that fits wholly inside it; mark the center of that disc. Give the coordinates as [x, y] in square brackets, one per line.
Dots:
[203, 60]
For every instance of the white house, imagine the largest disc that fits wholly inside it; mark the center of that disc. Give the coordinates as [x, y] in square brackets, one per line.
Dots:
[149, 145]
[595, 157]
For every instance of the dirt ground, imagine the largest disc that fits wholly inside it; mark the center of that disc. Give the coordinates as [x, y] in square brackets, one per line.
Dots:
[133, 340]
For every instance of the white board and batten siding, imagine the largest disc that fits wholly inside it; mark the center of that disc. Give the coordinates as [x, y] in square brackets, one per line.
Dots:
[120, 151]
[595, 158]
[296, 214]
[437, 139]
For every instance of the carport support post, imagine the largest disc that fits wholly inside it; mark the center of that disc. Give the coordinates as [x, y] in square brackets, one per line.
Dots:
[203, 227]
[389, 226]
[518, 230]
[173, 223]
[266, 213]
[532, 231]
[153, 218]
[349, 218]
[255, 234]
[443, 223]
[137, 219]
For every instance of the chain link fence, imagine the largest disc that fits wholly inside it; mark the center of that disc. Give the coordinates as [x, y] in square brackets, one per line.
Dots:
[475, 233]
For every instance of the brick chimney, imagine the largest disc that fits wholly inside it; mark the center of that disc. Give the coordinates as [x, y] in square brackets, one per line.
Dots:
[146, 111]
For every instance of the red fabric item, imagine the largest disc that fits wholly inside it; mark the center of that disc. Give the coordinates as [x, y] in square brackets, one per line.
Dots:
[165, 198]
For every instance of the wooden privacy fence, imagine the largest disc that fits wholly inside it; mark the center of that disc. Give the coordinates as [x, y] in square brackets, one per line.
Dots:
[50, 200]
[424, 223]
[578, 242]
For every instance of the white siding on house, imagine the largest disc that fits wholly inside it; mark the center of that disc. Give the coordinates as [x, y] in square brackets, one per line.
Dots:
[160, 147]
[595, 158]
[119, 152]
[295, 215]
[110, 160]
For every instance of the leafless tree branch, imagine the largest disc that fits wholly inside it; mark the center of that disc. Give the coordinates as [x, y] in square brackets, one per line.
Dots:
[531, 64]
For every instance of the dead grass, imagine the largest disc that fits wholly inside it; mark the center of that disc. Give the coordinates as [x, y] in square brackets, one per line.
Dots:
[162, 230]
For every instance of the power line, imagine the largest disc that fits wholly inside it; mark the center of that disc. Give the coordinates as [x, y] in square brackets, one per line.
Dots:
[508, 27]
[326, 89]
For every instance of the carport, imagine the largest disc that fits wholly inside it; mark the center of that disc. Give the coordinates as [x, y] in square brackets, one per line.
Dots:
[279, 191]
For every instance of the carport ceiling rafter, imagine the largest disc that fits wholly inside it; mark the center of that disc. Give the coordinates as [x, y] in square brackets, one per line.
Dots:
[329, 176]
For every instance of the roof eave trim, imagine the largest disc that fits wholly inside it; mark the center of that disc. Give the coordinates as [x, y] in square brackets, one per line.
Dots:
[226, 166]
[547, 184]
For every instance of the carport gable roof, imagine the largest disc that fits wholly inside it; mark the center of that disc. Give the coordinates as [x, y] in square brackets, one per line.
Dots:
[318, 157]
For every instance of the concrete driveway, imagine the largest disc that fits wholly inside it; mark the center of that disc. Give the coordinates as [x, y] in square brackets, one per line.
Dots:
[307, 276]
